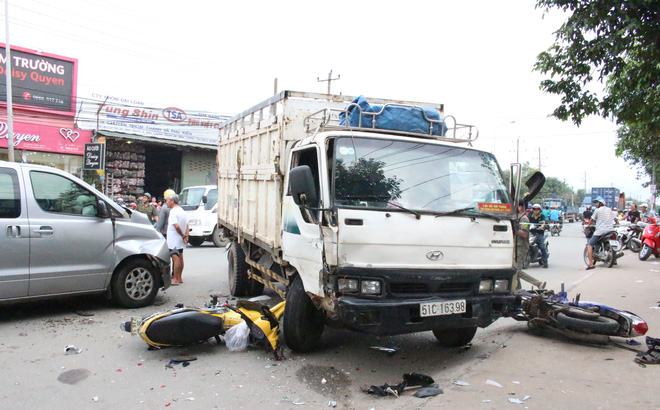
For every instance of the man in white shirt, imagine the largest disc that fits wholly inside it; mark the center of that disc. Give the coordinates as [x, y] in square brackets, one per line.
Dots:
[646, 213]
[604, 224]
[177, 236]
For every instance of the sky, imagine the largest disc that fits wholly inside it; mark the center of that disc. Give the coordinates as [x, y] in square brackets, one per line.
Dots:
[475, 57]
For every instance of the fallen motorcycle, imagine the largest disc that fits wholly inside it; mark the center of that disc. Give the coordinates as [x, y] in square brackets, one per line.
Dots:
[588, 322]
[188, 325]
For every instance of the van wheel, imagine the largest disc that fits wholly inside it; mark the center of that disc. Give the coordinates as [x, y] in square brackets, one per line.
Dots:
[303, 322]
[239, 282]
[196, 240]
[135, 284]
[218, 237]
[455, 337]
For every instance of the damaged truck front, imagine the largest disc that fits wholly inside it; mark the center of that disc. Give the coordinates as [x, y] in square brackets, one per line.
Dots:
[384, 231]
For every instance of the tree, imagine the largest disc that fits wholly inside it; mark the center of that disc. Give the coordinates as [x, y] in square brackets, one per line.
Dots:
[615, 43]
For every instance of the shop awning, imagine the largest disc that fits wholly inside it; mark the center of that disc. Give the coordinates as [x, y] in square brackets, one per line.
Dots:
[153, 140]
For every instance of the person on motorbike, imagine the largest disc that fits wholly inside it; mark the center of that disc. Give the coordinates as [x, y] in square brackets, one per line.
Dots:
[538, 225]
[555, 214]
[602, 217]
[522, 247]
[587, 213]
[646, 213]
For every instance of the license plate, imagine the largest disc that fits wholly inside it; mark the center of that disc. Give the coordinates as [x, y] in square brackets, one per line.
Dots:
[135, 325]
[614, 242]
[450, 307]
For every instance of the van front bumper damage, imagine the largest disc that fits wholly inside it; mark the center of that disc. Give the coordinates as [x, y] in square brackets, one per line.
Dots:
[398, 309]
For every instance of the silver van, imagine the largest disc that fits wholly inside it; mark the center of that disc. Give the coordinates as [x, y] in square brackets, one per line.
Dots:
[60, 236]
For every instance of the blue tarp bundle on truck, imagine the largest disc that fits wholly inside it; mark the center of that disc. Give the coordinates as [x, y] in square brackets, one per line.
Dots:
[397, 118]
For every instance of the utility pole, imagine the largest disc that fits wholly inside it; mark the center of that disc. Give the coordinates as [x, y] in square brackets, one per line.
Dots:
[10, 109]
[329, 80]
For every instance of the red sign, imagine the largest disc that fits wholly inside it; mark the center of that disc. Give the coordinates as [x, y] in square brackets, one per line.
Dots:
[40, 81]
[494, 208]
[62, 139]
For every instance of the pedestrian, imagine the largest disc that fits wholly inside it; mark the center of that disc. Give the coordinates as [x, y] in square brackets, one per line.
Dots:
[646, 213]
[177, 236]
[147, 208]
[163, 214]
[522, 247]
[154, 202]
[633, 215]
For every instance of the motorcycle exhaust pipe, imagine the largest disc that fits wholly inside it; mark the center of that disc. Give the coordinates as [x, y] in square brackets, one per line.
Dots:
[618, 255]
[636, 240]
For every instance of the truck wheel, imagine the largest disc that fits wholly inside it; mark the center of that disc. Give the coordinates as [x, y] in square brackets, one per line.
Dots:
[239, 282]
[196, 240]
[455, 337]
[256, 288]
[135, 284]
[303, 322]
[218, 237]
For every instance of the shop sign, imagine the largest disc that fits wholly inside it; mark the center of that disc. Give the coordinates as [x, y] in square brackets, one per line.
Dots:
[35, 137]
[93, 159]
[40, 81]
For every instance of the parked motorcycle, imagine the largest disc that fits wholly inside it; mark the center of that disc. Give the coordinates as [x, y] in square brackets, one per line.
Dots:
[604, 248]
[555, 228]
[188, 325]
[628, 236]
[583, 321]
[650, 241]
[534, 252]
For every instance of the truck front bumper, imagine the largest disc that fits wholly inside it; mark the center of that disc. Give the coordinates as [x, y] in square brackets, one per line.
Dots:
[396, 316]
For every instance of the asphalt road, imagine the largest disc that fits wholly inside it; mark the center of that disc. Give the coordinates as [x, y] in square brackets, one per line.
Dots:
[115, 370]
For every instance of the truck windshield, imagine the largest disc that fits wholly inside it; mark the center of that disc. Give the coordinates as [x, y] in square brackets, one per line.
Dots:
[190, 198]
[417, 176]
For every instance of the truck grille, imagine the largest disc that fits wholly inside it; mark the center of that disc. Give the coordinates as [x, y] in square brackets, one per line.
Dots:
[409, 288]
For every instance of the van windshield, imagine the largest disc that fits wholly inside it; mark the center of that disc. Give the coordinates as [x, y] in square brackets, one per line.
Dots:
[191, 198]
[417, 176]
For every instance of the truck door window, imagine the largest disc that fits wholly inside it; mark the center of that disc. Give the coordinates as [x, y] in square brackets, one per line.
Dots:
[10, 197]
[308, 157]
[55, 193]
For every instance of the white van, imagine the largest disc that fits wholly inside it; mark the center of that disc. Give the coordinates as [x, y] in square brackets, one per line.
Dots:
[201, 206]
[61, 236]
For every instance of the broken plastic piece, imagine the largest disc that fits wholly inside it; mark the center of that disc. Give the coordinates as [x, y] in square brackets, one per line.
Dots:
[461, 383]
[388, 350]
[493, 383]
[417, 379]
[428, 392]
[515, 401]
[71, 349]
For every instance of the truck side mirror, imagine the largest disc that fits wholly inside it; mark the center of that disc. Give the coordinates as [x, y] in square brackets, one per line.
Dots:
[301, 185]
[103, 209]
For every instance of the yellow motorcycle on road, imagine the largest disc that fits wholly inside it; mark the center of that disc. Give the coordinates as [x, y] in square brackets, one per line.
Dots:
[188, 325]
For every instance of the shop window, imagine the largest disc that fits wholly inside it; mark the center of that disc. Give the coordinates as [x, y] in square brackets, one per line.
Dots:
[10, 197]
[55, 193]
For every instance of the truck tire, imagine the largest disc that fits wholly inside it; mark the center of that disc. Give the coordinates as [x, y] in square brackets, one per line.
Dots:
[602, 324]
[239, 282]
[303, 322]
[218, 237]
[135, 285]
[196, 240]
[256, 288]
[455, 337]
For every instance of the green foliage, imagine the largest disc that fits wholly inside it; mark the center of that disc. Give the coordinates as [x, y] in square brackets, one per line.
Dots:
[365, 179]
[552, 187]
[615, 43]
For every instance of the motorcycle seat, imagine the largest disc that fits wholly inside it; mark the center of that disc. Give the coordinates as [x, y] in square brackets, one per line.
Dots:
[185, 327]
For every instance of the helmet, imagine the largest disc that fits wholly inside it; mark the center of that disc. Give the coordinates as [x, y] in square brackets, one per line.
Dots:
[148, 195]
[556, 207]
[644, 205]
[168, 192]
[536, 206]
[600, 199]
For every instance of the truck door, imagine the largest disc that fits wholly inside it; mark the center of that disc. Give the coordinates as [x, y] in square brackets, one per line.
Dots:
[14, 237]
[301, 238]
[71, 248]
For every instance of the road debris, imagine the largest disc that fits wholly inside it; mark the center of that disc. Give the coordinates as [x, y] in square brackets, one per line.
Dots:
[428, 392]
[493, 383]
[389, 350]
[652, 355]
[461, 383]
[71, 350]
[74, 376]
[410, 381]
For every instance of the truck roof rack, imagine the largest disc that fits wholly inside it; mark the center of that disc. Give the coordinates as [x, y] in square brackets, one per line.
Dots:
[328, 119]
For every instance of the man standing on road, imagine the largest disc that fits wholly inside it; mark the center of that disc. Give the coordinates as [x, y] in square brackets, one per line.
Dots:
[177, 236]
[147, 208]
[522, 247]
[537, 228]
[604, 224]
[163, 215]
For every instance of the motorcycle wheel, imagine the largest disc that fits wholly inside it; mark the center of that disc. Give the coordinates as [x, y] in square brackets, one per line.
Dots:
[585, 255]
[635, 247]
[602, 324]
[657, 255]
[620, 245]
[645, 252]
[611, 254]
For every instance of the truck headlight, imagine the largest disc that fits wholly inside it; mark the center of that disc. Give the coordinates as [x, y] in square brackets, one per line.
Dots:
[486, 285]
[195, 222]
[347, 285]
[501, 285]
[370, 287]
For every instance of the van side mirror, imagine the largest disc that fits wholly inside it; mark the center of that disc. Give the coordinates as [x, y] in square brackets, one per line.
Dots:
[301, 183]
[205, 199]
[103, 209]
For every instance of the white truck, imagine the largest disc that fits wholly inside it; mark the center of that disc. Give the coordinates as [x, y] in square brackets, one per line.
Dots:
[201, 205]
[381, 231]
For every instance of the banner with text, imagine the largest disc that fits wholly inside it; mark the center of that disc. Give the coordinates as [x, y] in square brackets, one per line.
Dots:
[49, 138]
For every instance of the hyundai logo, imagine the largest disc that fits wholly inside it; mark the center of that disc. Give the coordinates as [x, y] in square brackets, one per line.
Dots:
[434, 255]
